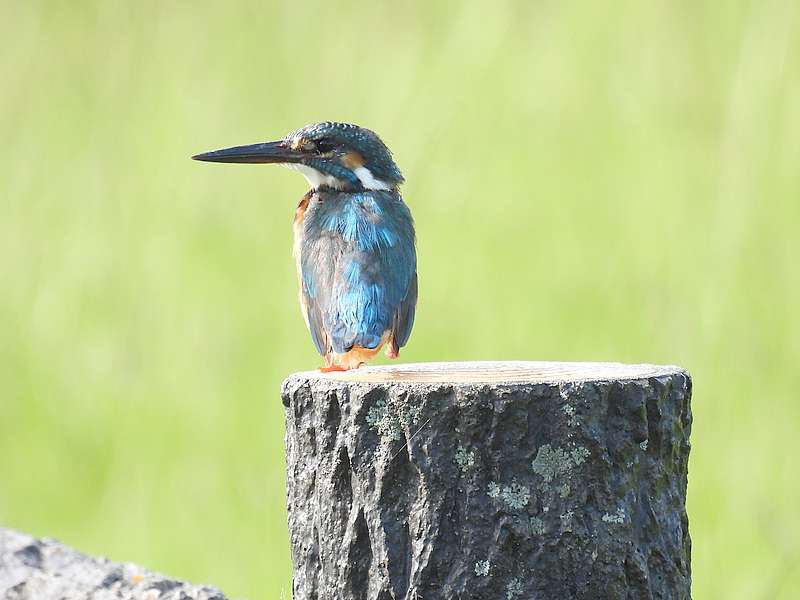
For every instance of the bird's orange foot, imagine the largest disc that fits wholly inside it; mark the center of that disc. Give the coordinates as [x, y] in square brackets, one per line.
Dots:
[332, 368]
[392, 352]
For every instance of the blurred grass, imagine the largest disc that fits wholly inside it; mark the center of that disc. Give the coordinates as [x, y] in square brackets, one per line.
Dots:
[590, 181]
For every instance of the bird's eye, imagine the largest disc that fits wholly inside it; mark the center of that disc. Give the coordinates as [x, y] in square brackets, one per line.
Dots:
[324, 145]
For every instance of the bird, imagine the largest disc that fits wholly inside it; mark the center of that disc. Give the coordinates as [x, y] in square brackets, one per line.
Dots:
[354, 239]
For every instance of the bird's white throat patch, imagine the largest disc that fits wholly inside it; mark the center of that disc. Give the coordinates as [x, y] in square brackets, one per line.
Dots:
[317, 178]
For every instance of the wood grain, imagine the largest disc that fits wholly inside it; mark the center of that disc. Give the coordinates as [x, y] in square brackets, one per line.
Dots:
[498, 372]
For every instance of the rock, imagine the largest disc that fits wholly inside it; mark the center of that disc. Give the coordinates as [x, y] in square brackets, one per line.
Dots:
[489, 481]
[44, 569]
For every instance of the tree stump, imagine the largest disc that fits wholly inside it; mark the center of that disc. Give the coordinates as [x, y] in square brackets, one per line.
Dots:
[489, 481]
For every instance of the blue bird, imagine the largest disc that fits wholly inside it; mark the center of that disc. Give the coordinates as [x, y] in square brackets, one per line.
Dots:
[353, 239]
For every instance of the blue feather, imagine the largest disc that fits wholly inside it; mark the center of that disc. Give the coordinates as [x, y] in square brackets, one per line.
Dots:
[358, 264]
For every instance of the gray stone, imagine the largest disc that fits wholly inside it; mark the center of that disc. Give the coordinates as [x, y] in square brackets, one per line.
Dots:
[489, 481]
[44, 569]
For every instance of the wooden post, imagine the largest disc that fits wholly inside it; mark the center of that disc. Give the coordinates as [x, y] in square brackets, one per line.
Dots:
[489, 481]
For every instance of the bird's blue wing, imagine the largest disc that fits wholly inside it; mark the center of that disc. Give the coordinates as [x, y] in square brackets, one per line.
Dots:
[316, 324]
[358, 265]
[404, 316]
[317, 276]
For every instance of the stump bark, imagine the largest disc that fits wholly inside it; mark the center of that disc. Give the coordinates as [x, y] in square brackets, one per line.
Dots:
[489, 481]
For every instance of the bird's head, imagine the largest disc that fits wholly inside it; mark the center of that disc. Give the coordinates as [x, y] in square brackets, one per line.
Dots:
[334, 155]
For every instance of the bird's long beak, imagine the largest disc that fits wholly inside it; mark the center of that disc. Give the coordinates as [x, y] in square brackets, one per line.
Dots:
[268, 152]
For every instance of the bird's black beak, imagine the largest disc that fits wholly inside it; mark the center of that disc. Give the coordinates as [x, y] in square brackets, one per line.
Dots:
[268, 152]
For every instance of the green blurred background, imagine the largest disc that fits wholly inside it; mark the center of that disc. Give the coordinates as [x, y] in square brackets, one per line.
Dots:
[590, 181]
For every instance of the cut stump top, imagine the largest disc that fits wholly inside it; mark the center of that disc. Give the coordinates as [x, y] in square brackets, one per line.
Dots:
[496, 372]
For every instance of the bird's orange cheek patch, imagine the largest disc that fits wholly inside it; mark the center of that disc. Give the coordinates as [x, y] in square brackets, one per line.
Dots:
[352, 160]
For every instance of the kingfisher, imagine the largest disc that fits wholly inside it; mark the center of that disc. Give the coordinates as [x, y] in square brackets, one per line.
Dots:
[354, 240]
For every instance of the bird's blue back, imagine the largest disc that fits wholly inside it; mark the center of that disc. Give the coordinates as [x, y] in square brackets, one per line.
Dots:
[358, 269]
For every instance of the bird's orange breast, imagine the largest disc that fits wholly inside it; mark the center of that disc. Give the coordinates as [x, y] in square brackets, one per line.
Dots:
[297, 227]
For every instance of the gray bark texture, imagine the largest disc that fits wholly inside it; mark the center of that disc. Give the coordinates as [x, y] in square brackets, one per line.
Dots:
[489, 481]
[44, 569]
